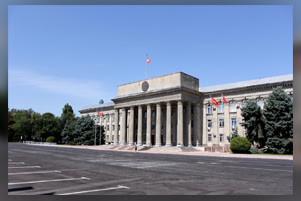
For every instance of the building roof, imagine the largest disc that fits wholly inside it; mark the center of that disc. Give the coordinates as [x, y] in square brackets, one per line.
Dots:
[269, 80]
[98, 106]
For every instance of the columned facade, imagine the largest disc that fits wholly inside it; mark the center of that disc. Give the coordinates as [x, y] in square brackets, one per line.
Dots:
[161, 124]
[172, 110]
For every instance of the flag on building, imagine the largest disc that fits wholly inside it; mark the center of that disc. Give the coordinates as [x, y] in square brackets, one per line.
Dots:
[101, 114]
[224, 99]
[214, 101]
[147, 60]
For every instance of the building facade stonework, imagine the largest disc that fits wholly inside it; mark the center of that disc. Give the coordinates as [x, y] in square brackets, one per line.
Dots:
[172, 110]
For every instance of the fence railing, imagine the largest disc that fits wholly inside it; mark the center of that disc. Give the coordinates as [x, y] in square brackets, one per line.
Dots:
[32, 142]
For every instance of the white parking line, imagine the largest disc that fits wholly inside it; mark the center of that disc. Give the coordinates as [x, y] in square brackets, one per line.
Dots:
[44, 181]
[26, 167]
[9, 160]
[13, 163]
[97, 190]
[37, 172]
[213, 163]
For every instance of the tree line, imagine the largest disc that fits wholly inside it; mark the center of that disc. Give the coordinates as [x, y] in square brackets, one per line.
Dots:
[28, 125]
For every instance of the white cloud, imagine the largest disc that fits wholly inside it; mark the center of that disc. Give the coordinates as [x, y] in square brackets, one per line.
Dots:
[66, 86]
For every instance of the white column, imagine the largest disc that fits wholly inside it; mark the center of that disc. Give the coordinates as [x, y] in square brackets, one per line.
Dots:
[195, 124]
[116, 127]
[131, 127]
[123, 127]
[168, 124]
[106, 127]
[139, 132]
[148, 126]
[188, 120]
[158, 124]
[198, 123]
[110, 132]
[180, 124]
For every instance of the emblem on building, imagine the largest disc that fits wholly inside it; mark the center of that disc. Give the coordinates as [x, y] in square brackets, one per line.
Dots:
[145, 86]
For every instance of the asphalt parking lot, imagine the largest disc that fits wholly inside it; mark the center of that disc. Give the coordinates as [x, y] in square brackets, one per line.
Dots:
[46, 170]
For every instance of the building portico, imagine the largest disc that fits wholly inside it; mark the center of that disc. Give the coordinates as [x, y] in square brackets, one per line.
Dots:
[166, 107]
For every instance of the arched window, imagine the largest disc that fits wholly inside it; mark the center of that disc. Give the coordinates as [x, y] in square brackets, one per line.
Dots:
[260, 103]
[153, 113]
[221, 108]
[244, 103]
[210, 109]
[233, 106]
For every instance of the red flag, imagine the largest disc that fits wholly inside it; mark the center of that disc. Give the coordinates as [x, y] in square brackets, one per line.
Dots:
[101, 114]
[214, 101]
[147, 60]
[224, 99]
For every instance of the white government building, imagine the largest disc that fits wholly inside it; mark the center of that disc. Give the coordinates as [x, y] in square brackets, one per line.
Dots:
[172, 110]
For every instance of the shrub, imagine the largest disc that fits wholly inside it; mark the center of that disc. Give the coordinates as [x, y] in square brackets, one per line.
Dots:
[253, 150]
[50, 139]
[240, 145]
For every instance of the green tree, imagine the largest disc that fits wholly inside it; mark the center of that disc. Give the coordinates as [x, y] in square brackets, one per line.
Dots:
[22, 126]
[279, 122]
[49, 125]
[11, 121]
[67, 137]
[84, 132]
[233, 135]
[254, 123]
[67, 114]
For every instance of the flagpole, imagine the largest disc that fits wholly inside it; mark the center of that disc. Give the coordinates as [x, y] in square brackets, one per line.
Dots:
[146, 65]
[211, 129]
[223, 125]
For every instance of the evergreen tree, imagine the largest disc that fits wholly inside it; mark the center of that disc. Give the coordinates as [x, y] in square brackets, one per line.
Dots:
[67, 137]
[84, 132]
[254, 123]
[233, 135]
[67, 114]
[279, 122]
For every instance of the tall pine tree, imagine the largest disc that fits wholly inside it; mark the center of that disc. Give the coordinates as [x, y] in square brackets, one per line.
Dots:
[254, 123]
[278, 112]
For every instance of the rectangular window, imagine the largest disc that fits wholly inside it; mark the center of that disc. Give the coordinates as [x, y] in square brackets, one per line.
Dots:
[108, 128]
[221, 137]
[233, 107]
[209, 123]
[113, 127]
[209, 109]
[221, 123]
[191, 123]
[209, 137]
[233, 122]
[119, 127]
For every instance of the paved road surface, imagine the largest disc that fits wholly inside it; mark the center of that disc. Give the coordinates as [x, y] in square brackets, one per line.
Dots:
[36, 170]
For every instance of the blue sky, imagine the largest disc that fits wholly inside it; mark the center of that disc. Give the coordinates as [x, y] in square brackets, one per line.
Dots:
[80, 54]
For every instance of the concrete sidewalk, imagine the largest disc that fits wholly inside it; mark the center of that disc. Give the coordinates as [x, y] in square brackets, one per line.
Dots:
[195, 153]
